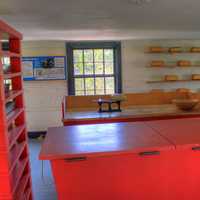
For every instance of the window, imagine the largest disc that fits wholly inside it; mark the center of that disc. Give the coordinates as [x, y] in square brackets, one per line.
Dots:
[94, 68]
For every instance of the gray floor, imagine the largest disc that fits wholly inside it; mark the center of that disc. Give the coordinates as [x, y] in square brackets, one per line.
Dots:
[43, 186]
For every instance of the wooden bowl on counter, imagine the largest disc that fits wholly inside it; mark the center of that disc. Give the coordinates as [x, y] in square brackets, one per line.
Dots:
[186, 104]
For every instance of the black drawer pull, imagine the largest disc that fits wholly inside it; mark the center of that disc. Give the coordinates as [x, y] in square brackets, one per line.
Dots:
[75, 159]
[149, 153]
[196, 148]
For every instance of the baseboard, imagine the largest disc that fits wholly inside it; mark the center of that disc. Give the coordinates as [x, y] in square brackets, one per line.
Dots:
[36, 134]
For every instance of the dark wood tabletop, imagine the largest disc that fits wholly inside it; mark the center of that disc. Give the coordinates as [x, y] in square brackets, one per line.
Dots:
[101, 140]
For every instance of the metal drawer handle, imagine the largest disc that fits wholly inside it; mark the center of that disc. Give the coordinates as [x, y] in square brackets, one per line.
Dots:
[75, 159]
[149, 153]
[196, 148]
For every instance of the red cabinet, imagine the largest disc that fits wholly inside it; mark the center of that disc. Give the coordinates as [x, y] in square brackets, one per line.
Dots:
[157, 160]
[113, 161]
[185, 161]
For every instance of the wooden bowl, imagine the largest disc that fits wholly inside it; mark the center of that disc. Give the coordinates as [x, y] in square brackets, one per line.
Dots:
[186, 104]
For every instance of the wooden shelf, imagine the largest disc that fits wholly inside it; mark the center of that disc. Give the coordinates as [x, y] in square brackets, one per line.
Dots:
[166, 50]
[14, 157]
[23, 165]
[14, 134]
[174, 66]
[16, 154]
[165, 81]
[171, 53]
[27, 194]
[13, 115]
[9, 54]
[13, 94]
[20, 191]
[17, 171]
[12, 75]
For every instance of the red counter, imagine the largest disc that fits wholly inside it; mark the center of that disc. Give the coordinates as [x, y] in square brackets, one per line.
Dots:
[157, 160]
[185, 135]
[122, 161]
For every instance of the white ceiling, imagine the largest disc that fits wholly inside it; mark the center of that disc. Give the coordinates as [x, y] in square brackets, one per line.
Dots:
[102, 19]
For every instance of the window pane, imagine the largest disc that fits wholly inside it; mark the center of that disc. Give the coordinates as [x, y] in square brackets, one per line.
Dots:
[110, 88]
[79, 93]
[89, 86]
[99, 84]
[78, 68]
[78, 55]
[98, 68]
[88, 55]
[98, 55]
[79, 84]
[109, 68]
[89, 68]
[108, 55]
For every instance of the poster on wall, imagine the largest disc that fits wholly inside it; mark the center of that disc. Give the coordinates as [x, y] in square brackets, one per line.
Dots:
[44, 68]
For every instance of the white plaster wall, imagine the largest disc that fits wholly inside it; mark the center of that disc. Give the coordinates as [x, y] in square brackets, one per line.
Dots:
[43, 98]
[134, 62]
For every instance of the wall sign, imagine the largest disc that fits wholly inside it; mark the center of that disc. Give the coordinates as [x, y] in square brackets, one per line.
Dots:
[44, 68]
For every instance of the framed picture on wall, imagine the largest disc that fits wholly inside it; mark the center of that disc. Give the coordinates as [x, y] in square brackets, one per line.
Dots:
[44, 68]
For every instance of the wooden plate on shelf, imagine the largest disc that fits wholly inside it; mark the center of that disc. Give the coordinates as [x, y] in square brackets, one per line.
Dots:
[157, 63]
[175, 50]
[195, 50]
[171, 77]
[184, 63]
[195, 76]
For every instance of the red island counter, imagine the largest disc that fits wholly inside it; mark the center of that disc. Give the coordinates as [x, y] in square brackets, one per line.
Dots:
[185, 135]
[158, 160]
[115, 161]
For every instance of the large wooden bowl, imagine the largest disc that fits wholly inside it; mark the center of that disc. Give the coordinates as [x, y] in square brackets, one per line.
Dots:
[186, 104]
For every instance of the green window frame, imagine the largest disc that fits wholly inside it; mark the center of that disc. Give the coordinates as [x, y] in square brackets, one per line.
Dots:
[94, 68]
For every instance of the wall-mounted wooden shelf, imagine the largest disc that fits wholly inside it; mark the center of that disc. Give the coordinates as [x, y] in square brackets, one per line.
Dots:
[181, 64]
[14, 154]
[166, 81]
[173, 66]
[183, 52]
[169, 50]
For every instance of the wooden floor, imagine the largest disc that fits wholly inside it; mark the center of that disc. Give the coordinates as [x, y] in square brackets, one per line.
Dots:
[43, 186]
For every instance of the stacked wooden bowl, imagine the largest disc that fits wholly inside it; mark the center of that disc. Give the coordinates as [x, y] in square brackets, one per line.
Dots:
[185, 100]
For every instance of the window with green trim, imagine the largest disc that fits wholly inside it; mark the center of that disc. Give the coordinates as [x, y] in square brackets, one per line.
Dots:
[94, 68]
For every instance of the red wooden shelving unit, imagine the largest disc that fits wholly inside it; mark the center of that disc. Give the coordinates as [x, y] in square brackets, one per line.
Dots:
[15, 176]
